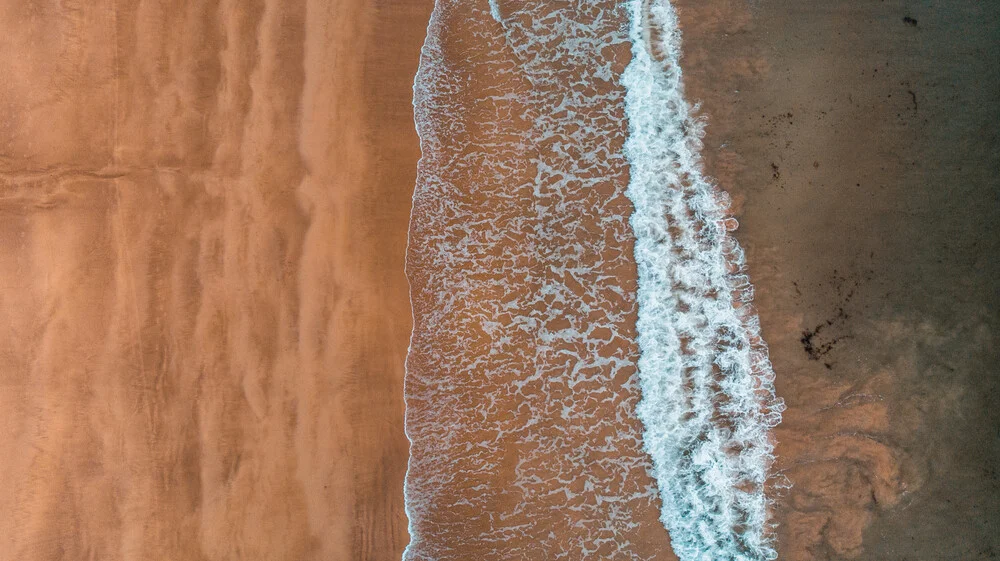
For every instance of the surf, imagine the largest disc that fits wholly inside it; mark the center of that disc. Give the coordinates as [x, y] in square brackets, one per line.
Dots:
[708, 400]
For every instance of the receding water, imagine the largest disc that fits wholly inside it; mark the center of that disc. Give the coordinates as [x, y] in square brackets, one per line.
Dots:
[529, 267]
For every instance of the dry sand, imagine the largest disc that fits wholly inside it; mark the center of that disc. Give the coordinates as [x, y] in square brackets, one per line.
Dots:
[860, 139]
[203, 212]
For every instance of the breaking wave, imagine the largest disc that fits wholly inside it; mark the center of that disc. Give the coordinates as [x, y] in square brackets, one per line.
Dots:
[708, 399]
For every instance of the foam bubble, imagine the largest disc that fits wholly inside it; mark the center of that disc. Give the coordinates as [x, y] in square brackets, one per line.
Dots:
[522, 323]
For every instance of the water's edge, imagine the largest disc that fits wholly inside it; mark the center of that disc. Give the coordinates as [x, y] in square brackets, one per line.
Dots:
[430, 34]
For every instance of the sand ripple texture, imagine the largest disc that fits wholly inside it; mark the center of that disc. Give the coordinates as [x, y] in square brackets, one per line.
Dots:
[521, 388]
[204, 312]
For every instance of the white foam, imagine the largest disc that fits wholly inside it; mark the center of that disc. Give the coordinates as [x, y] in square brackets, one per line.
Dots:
[707, 384]
[532, 325]
[495, 11]
[522, 329]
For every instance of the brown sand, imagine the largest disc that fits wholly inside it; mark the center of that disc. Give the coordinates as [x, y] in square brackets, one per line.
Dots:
[861, 140]
[204, 210]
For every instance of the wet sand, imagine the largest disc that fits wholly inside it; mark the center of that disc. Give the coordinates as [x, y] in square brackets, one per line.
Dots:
[860, 143]
[204, 210]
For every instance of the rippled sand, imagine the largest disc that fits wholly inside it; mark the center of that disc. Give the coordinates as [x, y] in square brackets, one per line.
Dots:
[203, 210]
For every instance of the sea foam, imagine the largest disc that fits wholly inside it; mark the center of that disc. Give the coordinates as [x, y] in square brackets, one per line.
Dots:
[521, 388]
[708, 399]
[520, 379]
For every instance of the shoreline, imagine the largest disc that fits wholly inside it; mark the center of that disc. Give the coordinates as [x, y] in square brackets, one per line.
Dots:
[410, 529]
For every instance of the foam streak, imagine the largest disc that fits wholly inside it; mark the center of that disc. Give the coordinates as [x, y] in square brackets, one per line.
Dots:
[708, 397]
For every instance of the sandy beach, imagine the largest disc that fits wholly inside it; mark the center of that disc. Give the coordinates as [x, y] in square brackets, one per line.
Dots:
[204, 210]
[205, 316]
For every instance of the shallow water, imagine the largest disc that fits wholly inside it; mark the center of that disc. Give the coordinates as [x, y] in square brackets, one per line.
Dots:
[522, 388]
